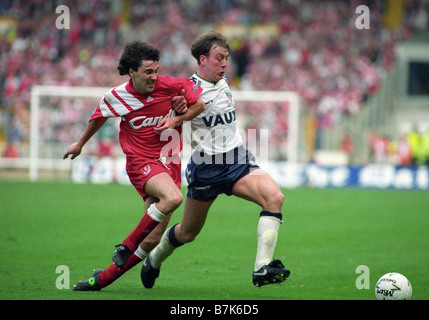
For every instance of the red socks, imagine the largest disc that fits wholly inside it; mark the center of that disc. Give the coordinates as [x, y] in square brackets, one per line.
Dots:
[112, 272]
[149, 221]
[145, 226]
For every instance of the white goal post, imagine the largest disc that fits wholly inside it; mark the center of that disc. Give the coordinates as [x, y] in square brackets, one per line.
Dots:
[38, 91]
[292, 117]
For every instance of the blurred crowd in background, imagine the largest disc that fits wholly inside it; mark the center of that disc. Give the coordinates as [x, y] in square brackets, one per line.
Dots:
[311, 47]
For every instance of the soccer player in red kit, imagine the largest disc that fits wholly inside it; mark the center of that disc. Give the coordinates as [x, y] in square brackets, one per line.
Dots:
[144, 104]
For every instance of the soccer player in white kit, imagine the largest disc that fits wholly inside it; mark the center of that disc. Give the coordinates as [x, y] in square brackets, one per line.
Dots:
[219, 166]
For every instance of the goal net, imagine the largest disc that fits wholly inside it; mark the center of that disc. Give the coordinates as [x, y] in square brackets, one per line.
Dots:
[269, 122]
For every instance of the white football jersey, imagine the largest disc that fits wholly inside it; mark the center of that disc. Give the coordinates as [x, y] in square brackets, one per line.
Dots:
[215, 130]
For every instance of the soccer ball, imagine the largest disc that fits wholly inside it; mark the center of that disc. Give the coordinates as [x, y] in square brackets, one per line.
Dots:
[393, 286]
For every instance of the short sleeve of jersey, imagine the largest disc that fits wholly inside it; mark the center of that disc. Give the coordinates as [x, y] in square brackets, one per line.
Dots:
[192, 90]
[118, 101]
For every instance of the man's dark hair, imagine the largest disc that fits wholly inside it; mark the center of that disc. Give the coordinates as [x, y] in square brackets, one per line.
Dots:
[204, 42]
[134, 53]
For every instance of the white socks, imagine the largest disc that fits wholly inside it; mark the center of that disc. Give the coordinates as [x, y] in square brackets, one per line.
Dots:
[140, 253]
[165, 248]
[267, 232]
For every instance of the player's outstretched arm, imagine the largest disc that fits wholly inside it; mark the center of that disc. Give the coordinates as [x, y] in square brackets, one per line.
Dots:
[191, 113]
[76, 148]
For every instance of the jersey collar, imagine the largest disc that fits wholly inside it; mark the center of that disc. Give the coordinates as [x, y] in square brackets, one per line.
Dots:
[214, 83]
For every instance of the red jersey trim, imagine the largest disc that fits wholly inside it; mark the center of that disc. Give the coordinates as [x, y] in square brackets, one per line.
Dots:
[121, 100]
[112, 110]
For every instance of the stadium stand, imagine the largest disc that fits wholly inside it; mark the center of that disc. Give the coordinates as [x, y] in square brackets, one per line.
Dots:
[311, 47]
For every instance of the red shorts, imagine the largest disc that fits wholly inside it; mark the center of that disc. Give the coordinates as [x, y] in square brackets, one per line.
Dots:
[140, 170]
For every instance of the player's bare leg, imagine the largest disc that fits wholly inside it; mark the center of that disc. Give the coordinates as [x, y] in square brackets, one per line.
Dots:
[194, 217]
[162, 187]
[260, 188]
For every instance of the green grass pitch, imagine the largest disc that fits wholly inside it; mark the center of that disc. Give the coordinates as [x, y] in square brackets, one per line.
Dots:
[326, 235]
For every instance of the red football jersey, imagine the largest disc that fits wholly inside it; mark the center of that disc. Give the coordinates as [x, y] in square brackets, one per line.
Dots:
[141, 113]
